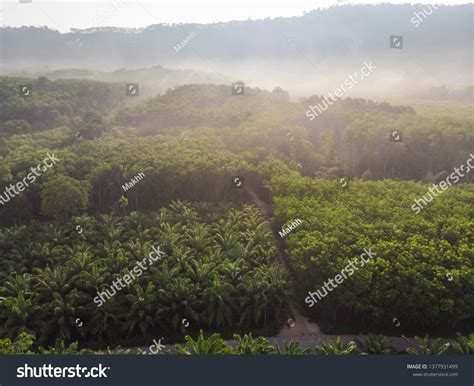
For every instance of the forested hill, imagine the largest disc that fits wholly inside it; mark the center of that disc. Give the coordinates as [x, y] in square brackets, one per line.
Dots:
[366, 33]
[151, 80]
[308, 45]
[193, 139]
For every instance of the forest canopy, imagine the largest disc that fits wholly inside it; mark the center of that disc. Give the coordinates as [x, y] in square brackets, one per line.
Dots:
[75, 229]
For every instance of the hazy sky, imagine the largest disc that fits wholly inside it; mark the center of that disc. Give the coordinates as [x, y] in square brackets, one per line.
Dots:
[63, 15]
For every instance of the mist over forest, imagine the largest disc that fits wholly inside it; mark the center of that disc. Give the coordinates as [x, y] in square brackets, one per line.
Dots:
[306, 55]
[218, 146]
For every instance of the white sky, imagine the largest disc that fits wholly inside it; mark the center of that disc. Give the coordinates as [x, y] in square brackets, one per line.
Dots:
[63, 14]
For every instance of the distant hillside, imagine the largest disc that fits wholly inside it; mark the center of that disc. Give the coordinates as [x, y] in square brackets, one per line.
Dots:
[308, 54]
[153, 80]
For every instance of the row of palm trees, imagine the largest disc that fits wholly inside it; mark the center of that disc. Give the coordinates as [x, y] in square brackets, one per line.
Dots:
[219, 273]
[371, 344]
[248, 345]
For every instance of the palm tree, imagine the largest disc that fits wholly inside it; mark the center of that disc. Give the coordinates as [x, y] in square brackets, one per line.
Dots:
[104, 321]
[141, 304]
[176, 301]
[254, 301]
[254, 248]
[20, 258]
[337, 348]
[64, 314]
[91, 277]
[229, 245]
[464, 345]
[183, 212]
[50, 281]
[21, 345]
[235, 218]
[21, 314]
[293, 348]
[135, 247]
[43, 255]
[79, 262]
[277, 288]
[201, 273]
[204, 346]
[110, 228]
[247, 345]
[224, 228]
[53, 234]
[233, 270]
[56, 289]
[181, 258]
[427, 346]
[123, 203]
[198, 237]
[15, 284]
[219, 303]
[377, 344]
[115, 258]
[163, 276]
[169, 236]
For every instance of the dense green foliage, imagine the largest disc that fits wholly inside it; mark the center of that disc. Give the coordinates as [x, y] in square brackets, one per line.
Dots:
[75, 229]
[219, 273]
[192, 140]
[409, 278]
[52, 104]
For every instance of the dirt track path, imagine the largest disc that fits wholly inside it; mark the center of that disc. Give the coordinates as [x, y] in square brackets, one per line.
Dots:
[299, 325]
